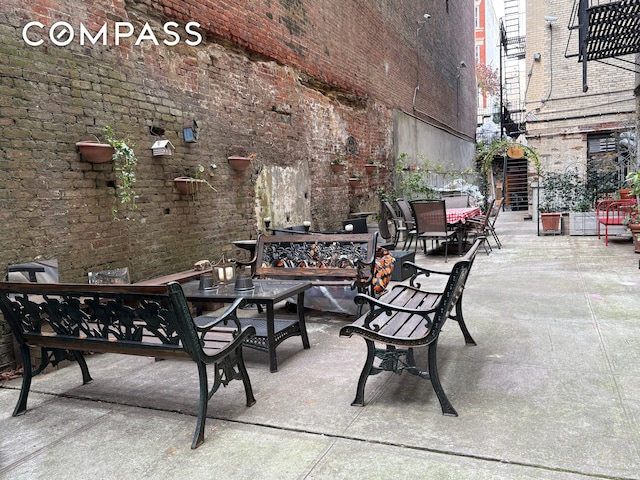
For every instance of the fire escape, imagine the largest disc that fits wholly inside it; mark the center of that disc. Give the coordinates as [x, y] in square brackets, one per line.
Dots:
[607, 31]
[512, 52]
[514, 181]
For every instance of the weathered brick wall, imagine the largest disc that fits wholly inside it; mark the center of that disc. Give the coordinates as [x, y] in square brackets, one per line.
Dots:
[287, 80]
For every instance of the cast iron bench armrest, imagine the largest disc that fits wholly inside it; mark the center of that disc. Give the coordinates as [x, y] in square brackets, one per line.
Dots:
[205, 323]
[420, 270]
[251, 263]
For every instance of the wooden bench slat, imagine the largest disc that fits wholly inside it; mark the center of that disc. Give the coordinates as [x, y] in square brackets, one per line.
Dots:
[401, 324]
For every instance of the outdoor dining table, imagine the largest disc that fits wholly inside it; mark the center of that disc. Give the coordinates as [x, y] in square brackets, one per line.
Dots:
[457, 218]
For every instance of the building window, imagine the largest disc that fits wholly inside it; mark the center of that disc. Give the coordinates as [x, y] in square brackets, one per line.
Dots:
[607, 163]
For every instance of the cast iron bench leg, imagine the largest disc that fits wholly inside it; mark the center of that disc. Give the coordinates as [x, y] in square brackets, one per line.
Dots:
[198, 436]
[21, 406]
[245, 377]
[366, 371]
[458, 317]
[447, 408]
[86, 377]
[302, 323]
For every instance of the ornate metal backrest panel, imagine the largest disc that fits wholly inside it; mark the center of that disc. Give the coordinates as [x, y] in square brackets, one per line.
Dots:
[310, 253]
[313, 254]
[96, 317]
[108, 313]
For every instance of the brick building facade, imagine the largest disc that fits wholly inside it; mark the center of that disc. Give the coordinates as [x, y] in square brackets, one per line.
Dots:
[562, 120]
[290, 81]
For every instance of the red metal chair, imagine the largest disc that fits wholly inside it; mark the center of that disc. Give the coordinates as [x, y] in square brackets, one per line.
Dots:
[613, 212]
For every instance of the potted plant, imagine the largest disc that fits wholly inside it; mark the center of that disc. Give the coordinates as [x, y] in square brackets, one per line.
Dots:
[94, 151]
[558, 194]
[550, 219]
[633, 223]
[187, 185]
[633, 182]
[240, 163]
[355, 179]
[338, 164]
[372, 165]
[581, 203]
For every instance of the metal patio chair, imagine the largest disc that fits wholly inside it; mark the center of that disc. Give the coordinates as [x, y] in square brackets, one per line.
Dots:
[431, 223]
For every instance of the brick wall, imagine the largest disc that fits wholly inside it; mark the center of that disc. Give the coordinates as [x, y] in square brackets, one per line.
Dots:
[287, 80]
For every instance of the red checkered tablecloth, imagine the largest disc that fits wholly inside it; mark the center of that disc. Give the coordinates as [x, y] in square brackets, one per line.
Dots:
[460, 215]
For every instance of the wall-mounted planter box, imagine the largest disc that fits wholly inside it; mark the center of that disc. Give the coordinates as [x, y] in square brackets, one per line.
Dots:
[188, 185]
[337, 167]
[95, 152]
[355, 182]
[239, 163]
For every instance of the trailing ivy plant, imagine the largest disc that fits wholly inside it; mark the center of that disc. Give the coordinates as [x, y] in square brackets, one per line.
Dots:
[199, 177]
[125, 163]
[561, 191]
[411, 184]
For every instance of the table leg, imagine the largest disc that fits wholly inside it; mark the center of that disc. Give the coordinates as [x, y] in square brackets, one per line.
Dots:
[301, 321]
[271, 337]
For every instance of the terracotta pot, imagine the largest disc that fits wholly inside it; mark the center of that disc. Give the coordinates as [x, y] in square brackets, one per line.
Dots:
[337, 167]
[550, 221]
[625, 193]
[355, 182]
[370, 168]
[239, 163]
[187, 185]
[95, 152]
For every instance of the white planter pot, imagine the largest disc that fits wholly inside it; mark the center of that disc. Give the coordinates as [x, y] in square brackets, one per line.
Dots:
[583, 223]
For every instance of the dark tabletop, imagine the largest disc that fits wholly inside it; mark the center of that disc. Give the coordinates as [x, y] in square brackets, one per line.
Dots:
[265, 290]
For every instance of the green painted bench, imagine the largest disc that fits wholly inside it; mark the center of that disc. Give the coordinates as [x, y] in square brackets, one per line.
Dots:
[65, 320]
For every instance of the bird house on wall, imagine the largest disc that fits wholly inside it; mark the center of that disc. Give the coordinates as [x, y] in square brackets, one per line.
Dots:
[190, 131]
[162, 147]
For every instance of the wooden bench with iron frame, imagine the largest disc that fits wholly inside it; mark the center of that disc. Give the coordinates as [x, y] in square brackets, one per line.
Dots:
[65, 320]
[408, 317]
[323, 259]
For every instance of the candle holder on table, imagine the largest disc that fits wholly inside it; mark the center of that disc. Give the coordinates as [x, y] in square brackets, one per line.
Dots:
[224, 271]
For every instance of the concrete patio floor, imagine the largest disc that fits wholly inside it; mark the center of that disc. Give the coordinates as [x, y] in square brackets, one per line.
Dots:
[551, 391]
